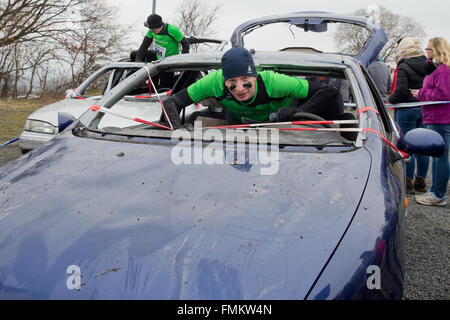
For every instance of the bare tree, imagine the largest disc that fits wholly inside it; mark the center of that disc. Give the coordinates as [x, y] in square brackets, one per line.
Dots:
[37, 59]
[95, 40]
[6, 69]
[28, 21]
[18, 70]
[38, 37]
[351, 38]
[24, 20]
[195, 18]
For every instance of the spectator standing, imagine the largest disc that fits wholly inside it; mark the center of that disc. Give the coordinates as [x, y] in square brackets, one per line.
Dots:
[381, 75]
[410, 60]
[168, 39]
[343, 85]
[436, 87]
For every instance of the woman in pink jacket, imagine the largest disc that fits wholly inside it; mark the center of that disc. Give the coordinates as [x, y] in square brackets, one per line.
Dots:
[436, 87]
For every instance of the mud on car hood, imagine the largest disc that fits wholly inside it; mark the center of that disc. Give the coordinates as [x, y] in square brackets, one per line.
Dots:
[170, 231]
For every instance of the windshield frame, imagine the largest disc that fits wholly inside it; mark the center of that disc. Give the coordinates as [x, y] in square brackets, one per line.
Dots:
[265, 63]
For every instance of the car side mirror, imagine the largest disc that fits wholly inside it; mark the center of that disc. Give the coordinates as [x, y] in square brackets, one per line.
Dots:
[64, 120]
[422, 141]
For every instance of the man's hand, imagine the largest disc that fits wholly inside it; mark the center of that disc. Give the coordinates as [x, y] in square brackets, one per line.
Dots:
[282, 114]
[173, 106]
[185, 45]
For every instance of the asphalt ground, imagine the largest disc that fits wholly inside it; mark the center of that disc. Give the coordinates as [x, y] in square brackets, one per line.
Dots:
[427, 250]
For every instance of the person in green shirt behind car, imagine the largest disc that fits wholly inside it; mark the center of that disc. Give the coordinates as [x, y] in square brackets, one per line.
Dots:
[247, 95]
[168, 39]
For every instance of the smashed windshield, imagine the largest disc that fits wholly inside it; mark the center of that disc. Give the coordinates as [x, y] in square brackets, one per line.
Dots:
[124, 115]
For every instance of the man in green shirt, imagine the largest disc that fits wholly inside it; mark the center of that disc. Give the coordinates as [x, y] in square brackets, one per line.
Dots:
[167, 39]
[246, 95]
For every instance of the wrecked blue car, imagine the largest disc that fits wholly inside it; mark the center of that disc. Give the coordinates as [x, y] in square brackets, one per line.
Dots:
[308, 209]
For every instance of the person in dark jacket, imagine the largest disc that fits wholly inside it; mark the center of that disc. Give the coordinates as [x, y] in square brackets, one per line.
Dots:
[436, 87]
[410, 74]
[381, 75]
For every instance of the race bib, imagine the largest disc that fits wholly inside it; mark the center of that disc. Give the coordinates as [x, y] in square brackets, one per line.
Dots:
[160, 51]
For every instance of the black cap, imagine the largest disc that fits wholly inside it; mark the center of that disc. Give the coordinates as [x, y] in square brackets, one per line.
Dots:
[154, 21]
[238, 62]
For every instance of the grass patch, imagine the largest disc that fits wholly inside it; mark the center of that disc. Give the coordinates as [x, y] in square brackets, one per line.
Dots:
[14, 112]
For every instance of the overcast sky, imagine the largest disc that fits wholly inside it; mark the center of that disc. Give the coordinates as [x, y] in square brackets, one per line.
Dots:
[432, 14]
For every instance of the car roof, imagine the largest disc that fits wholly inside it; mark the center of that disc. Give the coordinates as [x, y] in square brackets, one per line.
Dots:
[312, 20]
[292, 58]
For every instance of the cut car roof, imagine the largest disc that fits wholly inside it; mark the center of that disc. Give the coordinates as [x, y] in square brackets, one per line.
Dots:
[317, 22]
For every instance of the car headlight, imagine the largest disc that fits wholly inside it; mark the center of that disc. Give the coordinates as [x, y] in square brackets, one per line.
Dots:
[40, 126]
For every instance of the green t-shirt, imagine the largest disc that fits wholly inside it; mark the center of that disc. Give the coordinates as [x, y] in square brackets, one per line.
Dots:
[273, 91]
[167, 42]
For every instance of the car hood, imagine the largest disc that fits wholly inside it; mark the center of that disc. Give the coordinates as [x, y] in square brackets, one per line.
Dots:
[139, 226]
[76, 107]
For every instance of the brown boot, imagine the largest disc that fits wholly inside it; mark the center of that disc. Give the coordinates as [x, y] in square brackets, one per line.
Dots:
[419, 184]
[409, 186]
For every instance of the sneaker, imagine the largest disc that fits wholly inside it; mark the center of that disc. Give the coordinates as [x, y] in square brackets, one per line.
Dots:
[430, 199]
[420, 184]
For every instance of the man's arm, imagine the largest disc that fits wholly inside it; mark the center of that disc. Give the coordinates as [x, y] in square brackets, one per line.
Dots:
[185, 45]
[173, 106]
[142, 52]
[286, 113]
[178, 36]
[202, 89]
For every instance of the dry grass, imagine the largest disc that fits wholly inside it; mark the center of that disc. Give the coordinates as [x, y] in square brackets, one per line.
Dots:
[14, 112]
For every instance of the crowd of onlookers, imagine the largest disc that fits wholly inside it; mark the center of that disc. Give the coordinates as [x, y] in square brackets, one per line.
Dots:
[421, 75]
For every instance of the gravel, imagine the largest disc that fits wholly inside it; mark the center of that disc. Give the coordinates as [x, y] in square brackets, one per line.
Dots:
[427, 244]
[427, 250]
